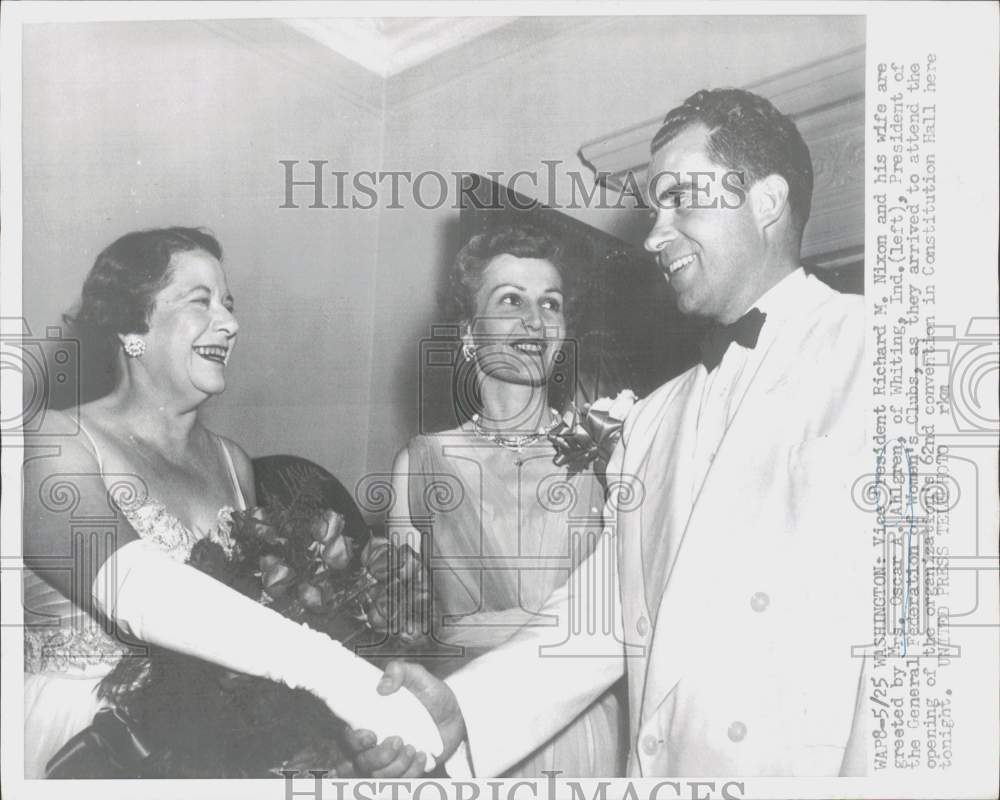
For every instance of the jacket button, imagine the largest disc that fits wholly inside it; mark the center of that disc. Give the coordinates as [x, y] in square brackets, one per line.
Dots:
[737, 731]
[642, 626]
[650, 744]
[759, 602]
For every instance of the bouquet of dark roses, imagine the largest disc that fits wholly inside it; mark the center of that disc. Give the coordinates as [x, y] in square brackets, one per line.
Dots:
[177, 716]
[304, 567]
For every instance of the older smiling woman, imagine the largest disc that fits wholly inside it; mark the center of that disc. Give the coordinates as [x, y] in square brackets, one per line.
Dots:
[161, 300]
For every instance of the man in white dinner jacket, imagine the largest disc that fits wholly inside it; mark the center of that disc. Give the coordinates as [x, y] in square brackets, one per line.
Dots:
[734, 564]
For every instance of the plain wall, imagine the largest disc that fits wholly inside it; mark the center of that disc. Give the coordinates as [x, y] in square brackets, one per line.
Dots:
[136, 125]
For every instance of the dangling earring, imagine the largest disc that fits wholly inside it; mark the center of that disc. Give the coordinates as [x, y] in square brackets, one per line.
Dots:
[134, 346]
[468, 352]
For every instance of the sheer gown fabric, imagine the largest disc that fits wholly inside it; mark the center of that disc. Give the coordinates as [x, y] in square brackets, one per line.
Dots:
[502, 530]
[67, 652]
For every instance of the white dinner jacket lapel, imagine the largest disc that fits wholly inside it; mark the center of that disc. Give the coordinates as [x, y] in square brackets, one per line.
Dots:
[667, 476]
[658, 429]
[680, 633]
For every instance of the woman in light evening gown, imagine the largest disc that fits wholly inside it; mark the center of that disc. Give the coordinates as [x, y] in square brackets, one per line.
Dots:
[151, 480]
[488, 507]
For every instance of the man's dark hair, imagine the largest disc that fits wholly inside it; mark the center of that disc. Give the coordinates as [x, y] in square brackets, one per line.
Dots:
[747, 134]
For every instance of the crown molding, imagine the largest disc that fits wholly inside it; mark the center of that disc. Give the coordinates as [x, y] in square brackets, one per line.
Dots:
[521, 36]
[387, 46]
[826, 100]
[290, 50]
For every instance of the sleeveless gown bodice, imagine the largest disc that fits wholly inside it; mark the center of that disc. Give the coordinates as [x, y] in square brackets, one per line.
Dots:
[503, 531]
[67, 652]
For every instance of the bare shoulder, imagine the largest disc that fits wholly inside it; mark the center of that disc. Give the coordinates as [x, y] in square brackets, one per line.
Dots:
[412, 460]
[241, 460]
[62, 472]
[239, 455]
[410, 452]
[459, 431]
[451, 433]
[401, 463]
[104, 423]
[61, 443]
[423, 442]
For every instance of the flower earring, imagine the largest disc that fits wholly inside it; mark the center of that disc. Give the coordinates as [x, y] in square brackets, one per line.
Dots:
[468, 352]
[134, 346]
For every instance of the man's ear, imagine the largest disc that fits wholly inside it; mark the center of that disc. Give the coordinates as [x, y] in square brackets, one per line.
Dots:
[769, 200]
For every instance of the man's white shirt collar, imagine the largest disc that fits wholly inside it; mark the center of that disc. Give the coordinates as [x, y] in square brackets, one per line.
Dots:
[782, 299]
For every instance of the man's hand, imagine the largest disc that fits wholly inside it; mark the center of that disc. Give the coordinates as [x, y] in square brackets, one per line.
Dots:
[393, 758]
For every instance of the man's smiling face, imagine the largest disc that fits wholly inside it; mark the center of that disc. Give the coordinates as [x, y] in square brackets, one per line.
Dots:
[705, 236]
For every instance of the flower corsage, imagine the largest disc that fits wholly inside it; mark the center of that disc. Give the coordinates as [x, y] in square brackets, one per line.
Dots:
[588, 437]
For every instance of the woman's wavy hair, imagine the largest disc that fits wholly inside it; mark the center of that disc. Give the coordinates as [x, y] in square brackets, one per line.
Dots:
[522, 241]
[119, 291]
[117, 295]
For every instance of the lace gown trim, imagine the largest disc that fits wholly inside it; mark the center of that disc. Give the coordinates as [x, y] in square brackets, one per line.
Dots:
[153, 522]
[79, 644]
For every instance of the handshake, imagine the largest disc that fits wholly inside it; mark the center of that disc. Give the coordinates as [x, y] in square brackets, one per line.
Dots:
[394, 758]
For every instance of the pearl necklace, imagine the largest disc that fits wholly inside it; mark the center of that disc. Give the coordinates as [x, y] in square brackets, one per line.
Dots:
[514, 443]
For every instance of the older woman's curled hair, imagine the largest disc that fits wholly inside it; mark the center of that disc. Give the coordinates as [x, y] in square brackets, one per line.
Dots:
[117, 295]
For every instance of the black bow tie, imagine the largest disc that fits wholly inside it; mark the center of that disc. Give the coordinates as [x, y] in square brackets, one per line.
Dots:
[745, 331]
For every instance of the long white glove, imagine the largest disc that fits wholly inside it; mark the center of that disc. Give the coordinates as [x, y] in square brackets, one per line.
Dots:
[170, 604]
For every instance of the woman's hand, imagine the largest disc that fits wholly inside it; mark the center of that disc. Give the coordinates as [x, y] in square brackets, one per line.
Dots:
[392, 758]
